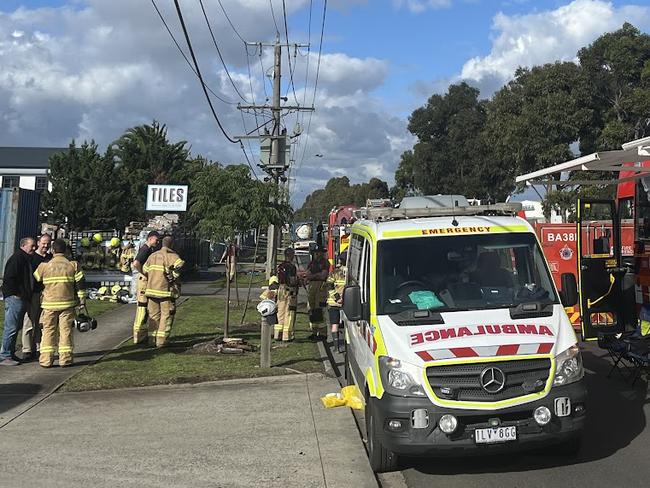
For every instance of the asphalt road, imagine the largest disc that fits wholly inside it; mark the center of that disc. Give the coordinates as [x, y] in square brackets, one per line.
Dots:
[614, 453]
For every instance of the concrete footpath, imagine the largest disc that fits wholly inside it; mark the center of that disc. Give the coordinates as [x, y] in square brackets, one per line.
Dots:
[21, 387]
[267, 432]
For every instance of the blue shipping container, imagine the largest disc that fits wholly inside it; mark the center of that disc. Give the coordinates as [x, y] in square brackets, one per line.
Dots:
[19, 217]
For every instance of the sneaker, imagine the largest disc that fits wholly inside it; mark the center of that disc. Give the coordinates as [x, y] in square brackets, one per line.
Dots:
[9, 362]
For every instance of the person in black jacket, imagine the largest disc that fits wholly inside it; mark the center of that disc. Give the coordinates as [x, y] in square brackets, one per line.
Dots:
[17, 288]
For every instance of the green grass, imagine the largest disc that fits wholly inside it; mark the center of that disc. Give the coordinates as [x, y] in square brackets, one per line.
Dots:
[197, 320]
[95, 309]
[242, 280]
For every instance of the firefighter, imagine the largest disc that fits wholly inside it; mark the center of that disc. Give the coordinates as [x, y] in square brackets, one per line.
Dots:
[64, 288]
[316, 276]
[336, 284]
[287, 297]
[140, 321]
[162, 271]
[126, 257]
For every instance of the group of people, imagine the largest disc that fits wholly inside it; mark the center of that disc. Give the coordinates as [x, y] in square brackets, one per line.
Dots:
[41, 289]
[157, 273]
[324, 289]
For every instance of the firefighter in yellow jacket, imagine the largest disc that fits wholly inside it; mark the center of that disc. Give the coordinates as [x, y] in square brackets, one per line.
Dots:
[64, 289]
[162, 271]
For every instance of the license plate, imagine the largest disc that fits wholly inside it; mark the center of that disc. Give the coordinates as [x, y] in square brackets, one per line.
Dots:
[494, 435]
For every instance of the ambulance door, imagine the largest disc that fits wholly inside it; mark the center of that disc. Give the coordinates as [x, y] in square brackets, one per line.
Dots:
[355, 344]
[599, 267]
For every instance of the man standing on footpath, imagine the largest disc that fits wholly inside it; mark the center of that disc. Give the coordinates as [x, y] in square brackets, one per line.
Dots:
[31, 324]
[17, 286]
[64, 288]
[162, 272]
[140, 322]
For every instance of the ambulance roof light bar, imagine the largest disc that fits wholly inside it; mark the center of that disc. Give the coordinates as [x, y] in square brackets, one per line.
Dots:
[632, 152]
[384, 214]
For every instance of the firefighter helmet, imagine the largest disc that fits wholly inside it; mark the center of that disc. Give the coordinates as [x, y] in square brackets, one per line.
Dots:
[85, 242]
[97, 237]
[115, 242]
[266, 308]
[84, 323]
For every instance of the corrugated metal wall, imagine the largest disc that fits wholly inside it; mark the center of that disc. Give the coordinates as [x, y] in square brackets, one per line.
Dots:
[19, 216]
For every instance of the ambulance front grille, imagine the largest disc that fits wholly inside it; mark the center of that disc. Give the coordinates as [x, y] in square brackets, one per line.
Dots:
[462, 382]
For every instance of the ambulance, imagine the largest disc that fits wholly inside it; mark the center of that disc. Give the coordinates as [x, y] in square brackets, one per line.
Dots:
[456, 335]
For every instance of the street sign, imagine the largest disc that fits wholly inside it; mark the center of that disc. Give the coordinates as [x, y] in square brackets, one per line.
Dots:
[167, 198]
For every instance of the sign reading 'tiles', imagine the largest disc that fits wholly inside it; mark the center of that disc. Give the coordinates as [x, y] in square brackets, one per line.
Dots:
[167, 198]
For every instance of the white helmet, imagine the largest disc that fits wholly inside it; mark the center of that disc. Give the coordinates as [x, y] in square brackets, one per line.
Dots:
[266, 308]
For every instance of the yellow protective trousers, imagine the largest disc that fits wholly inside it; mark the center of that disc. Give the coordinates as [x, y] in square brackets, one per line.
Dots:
[161, 318]
[58, 327]
[287, 304]
[316, 302]
[140, 321]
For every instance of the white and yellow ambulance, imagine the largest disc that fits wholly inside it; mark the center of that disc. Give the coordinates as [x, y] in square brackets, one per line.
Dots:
[456, 335]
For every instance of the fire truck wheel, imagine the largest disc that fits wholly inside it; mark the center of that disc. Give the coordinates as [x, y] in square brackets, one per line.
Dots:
[381, 459]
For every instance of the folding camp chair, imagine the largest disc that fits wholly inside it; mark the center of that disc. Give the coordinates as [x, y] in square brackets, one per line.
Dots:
[630, 353]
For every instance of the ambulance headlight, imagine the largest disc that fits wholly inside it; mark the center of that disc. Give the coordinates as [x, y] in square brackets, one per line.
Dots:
[568, 367]
[400, 378]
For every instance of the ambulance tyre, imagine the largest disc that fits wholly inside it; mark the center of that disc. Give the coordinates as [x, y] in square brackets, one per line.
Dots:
[381, 459]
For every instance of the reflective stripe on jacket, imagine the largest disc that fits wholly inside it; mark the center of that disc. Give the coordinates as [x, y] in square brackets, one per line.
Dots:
[63, 282]
[162, 269]
[336, 280]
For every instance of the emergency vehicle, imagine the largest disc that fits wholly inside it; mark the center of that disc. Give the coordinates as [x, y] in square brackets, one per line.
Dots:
[612, 236]
[456, 335]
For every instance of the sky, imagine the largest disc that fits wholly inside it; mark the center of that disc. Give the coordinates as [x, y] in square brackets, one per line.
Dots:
[89, 69]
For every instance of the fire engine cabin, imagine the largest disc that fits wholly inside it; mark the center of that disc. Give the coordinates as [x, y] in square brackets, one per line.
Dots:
[338, 236]
[611, 242]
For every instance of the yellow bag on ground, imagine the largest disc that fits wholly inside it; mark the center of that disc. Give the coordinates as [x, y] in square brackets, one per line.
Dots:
[349, 396]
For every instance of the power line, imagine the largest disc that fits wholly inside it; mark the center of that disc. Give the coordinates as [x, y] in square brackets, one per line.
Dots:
[277, 31]
[230, 22]
[320, 52]
[214, 41]
[198, 73]
[286, 33]
[180, 50]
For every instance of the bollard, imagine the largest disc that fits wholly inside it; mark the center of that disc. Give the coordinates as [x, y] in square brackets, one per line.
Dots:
[265, 348]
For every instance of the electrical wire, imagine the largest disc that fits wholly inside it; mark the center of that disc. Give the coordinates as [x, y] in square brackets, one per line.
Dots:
[286, 33]
[320, 52]
[230, 22]
[189, 63]
[216, 45]
[198, 73]
[277, 31]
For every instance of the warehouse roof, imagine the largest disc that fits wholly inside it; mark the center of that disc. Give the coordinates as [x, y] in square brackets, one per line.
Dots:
[28, 157]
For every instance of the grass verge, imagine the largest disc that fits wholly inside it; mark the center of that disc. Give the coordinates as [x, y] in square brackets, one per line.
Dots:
[199, 319]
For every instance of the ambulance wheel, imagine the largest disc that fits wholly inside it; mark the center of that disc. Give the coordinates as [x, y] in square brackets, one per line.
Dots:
[381, 459]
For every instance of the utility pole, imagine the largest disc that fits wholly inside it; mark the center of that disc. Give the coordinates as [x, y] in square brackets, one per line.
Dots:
[275, 168]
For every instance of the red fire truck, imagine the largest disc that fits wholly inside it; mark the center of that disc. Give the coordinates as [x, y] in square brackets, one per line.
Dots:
[608, 249]
[337, 237]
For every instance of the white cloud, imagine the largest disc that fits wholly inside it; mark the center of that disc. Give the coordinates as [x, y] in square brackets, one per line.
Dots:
[547, 36]
[92, 68]
[418, 6]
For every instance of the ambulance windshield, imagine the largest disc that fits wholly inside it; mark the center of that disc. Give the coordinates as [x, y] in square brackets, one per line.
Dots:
[462, 272]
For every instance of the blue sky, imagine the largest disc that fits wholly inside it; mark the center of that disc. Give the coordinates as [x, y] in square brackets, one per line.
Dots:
[89, 69]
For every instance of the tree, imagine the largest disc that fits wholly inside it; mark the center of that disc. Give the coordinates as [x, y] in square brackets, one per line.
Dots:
[146, 157]
[449, 154]
[226, 200]
[87, 191]
[338, 192]
[617, 66]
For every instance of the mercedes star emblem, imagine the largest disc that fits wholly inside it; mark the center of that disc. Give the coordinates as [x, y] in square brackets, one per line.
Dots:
[493, 380]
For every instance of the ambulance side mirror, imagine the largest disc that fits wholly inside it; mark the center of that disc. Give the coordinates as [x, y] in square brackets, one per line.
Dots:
[569, 293]
[352, 303]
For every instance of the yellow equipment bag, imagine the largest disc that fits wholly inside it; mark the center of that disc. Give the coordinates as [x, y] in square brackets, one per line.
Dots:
[349, 396]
